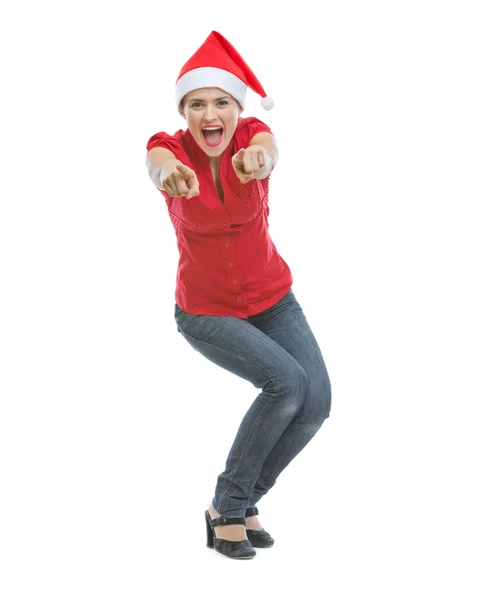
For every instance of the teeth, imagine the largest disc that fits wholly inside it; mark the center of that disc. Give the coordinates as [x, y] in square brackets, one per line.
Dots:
[211, 128]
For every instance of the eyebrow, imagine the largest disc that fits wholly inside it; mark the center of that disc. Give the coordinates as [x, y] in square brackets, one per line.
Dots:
[202, 100]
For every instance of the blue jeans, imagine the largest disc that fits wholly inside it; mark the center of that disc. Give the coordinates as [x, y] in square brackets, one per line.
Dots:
[276, 351]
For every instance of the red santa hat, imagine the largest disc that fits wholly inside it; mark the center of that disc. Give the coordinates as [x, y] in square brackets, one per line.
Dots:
[218, 64]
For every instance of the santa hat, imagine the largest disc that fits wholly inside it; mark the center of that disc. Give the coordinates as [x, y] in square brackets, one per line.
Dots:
[218, 64]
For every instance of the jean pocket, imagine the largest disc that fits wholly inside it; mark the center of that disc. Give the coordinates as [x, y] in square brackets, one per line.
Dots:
[183, 319]
[288, 298]
[179, 314]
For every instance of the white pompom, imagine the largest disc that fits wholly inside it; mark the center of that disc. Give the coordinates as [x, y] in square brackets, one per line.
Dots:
[267, 103]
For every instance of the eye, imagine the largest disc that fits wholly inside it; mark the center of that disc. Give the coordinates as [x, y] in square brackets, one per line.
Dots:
[194, 104]
[223, 102]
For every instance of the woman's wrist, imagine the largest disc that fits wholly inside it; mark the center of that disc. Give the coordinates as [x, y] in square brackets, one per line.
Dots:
[164, 172]
[267, 167]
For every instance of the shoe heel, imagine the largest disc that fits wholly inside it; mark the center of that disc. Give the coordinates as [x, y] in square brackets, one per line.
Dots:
[210, 531]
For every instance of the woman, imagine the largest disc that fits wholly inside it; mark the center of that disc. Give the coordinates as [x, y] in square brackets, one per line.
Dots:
[234, 302]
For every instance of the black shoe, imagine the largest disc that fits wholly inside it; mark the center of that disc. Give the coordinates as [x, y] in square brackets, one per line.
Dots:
[242, 549]
[258, 539]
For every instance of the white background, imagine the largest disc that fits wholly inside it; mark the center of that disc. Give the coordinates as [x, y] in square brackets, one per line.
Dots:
[112, 428]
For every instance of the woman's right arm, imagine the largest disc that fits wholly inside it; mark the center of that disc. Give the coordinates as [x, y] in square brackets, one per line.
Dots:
[160, 162]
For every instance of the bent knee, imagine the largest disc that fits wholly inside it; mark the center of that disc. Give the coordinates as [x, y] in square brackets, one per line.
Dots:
[295, 383]
[292, 386]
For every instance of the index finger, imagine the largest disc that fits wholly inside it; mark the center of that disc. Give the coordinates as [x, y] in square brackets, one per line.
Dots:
[193, 185]
[250, 162]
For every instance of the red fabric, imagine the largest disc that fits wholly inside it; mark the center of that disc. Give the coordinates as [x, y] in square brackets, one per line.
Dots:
[228, 263]
[219, 53]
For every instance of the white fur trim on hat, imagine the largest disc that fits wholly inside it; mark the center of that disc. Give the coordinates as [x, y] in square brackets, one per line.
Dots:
[211, 77]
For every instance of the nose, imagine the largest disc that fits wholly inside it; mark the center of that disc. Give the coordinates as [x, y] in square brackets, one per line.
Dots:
[210, 112]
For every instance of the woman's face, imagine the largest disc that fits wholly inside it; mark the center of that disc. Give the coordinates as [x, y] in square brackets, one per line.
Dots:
[212, 117]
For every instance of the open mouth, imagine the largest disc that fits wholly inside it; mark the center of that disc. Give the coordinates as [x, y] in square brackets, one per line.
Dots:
[212, 135]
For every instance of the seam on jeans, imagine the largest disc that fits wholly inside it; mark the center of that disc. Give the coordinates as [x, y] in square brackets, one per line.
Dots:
[254, 423]
[224, 493]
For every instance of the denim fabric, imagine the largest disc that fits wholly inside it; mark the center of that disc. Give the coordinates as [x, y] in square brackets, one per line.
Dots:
[276, 351]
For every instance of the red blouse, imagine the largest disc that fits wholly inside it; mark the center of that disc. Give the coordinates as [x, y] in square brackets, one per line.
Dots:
[228, 263]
